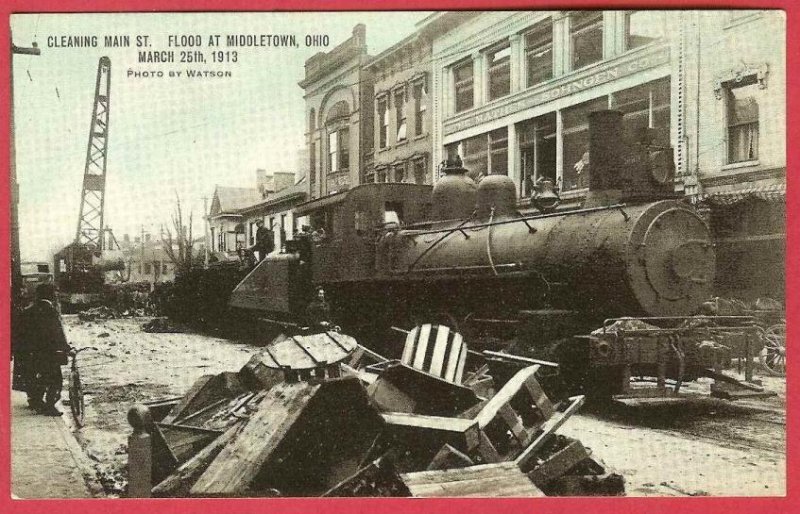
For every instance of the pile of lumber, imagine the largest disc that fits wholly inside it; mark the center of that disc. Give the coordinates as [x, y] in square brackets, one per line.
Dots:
[378, 429]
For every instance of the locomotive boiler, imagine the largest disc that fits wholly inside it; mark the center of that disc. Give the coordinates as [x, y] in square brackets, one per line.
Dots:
[398, 254]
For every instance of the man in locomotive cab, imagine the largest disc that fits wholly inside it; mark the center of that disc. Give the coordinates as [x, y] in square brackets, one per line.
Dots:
[265, 240]
[318, 312]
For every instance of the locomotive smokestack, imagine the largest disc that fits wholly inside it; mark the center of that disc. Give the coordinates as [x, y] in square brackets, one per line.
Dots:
[607, 150]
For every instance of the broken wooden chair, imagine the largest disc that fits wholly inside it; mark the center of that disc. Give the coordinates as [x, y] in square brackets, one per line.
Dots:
[427, 378]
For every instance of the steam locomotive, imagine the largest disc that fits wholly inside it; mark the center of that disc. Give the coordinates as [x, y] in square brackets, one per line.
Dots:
[398, 254]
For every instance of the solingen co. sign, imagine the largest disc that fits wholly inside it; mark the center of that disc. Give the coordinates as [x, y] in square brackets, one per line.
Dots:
[601, 76]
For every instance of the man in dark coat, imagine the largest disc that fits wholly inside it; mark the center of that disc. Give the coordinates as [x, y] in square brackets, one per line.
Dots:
[44, 339]
[265, 240]
[318, 312]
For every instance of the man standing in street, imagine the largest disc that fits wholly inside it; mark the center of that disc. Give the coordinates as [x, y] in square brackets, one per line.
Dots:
[265, 240]
[42, 335]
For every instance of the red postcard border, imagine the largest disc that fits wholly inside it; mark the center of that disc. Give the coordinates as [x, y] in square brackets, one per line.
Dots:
[703, 505]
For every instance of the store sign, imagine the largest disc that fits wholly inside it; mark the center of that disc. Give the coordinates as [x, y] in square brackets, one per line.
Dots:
[584, 83]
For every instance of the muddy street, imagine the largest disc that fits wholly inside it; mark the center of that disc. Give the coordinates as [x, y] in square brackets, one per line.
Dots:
[706, 447]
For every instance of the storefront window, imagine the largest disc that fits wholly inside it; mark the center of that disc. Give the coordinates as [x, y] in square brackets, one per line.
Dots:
[537, 151]
[463, 80]
[742, 118]
[499, 62]
[539, 53]
[575, 140]
[586, 38]
[498, 151]
[645, 106]
[643, 27]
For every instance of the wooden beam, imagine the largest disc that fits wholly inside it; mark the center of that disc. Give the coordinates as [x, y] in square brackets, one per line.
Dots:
[235, 467]
[180, 482]
[559, 463]
[550, 426]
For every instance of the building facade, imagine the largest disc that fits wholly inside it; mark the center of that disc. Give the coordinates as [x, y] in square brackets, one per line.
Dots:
[513, 90]
[402, 121]
[226, 229]
[276, 210]
[338, 91]
[735, 126]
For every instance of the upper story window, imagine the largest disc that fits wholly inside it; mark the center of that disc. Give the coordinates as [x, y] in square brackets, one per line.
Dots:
[420, 107]
[586, 38]
[742, 121]
[338, 150]
[383, 117]
[539, 53]
[499, 65]
[643, 27]
[400, 112]
[463, 75]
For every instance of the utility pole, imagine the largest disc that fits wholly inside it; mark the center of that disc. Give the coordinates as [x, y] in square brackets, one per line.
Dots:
[205, 232]
[16, 271]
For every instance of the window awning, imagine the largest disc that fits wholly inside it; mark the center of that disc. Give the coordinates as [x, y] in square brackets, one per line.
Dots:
[770, 193]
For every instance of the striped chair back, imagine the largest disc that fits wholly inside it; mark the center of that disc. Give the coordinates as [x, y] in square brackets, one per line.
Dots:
[437, 350]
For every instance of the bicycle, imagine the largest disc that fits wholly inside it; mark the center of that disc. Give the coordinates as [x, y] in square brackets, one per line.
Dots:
[75, 389]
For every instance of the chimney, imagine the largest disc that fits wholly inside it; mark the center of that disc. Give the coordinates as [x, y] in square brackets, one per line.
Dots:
[261, 182]
[283, 179]
[360, 34]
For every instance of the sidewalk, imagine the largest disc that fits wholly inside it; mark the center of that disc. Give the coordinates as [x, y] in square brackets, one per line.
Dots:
[46, 460]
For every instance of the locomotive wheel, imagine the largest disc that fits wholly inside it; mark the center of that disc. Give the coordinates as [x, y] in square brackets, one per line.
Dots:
[773, 355]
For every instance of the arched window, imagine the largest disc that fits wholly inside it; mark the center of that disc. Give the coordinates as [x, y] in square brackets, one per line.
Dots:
[337, 126]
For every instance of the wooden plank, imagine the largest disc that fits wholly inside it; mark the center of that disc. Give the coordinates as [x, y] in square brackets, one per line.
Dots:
[518, 358]
[408, 349]
[180, 482]
[188, 398]
[504, 395]
[550, 426]
[510, 486]
[492, 480]
[452, 362]
[448, 457]
[455, 475]
[233, 470]
[422, 346]
[182, 440]
[513, 422]
[428, 422]
[540, 399]
[437, 359]
[462, 361]
[558, 464]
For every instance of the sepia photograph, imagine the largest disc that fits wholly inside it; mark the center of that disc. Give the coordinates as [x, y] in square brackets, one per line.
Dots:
[495, 253]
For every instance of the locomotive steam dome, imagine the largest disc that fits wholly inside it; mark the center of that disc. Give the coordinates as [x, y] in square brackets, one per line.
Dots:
[496, 192]
[454, 194]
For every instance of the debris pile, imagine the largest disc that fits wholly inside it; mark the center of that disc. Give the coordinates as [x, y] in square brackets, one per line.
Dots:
[319, 415]
[98, 313]
[161, 325]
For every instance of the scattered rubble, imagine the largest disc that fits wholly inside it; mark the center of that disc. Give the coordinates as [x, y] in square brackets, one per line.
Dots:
[161, 325]
[319, 415]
